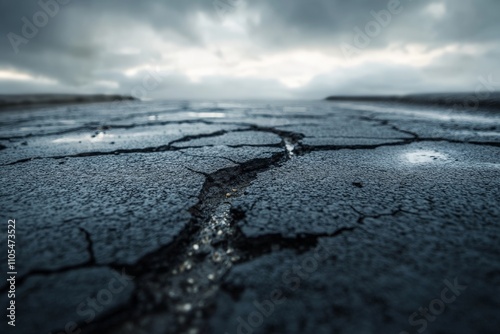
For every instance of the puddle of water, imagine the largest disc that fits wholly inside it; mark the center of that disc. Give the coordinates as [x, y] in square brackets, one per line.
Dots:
[290, 147]
[424, 156]
[101, 136]
[67, 121]
[206, 114]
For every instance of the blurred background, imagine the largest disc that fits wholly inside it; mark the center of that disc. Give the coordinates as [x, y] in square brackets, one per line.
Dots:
[230, 49]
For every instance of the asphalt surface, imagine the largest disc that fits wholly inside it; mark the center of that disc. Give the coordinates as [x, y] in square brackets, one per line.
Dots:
[252, 217]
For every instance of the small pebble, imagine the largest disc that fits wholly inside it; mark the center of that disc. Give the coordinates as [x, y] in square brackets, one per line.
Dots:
[216, 257]
[186, 307]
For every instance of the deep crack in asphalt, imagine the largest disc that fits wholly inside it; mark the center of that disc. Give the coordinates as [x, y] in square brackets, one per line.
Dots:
[182, 279]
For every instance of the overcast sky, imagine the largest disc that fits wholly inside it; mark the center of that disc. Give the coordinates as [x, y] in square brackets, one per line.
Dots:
[248, 49]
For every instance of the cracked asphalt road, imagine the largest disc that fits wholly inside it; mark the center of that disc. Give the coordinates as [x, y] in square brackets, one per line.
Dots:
[252, 217]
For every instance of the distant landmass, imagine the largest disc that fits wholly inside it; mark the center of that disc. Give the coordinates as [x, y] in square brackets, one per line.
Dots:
[21, 100]
[461, 101]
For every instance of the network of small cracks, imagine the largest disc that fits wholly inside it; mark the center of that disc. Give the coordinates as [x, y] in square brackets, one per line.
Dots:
[92, 261]
[363, 216]
[169, 146]
[212, 195]
[96, 126]
[294, 137]
[100, 126]
[413, 138]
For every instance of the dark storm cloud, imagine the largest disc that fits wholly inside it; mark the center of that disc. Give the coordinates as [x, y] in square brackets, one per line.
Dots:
[81, 45]
[66, 46]
[326, 23]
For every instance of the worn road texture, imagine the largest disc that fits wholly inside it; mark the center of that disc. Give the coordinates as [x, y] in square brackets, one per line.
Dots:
[317, 217]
